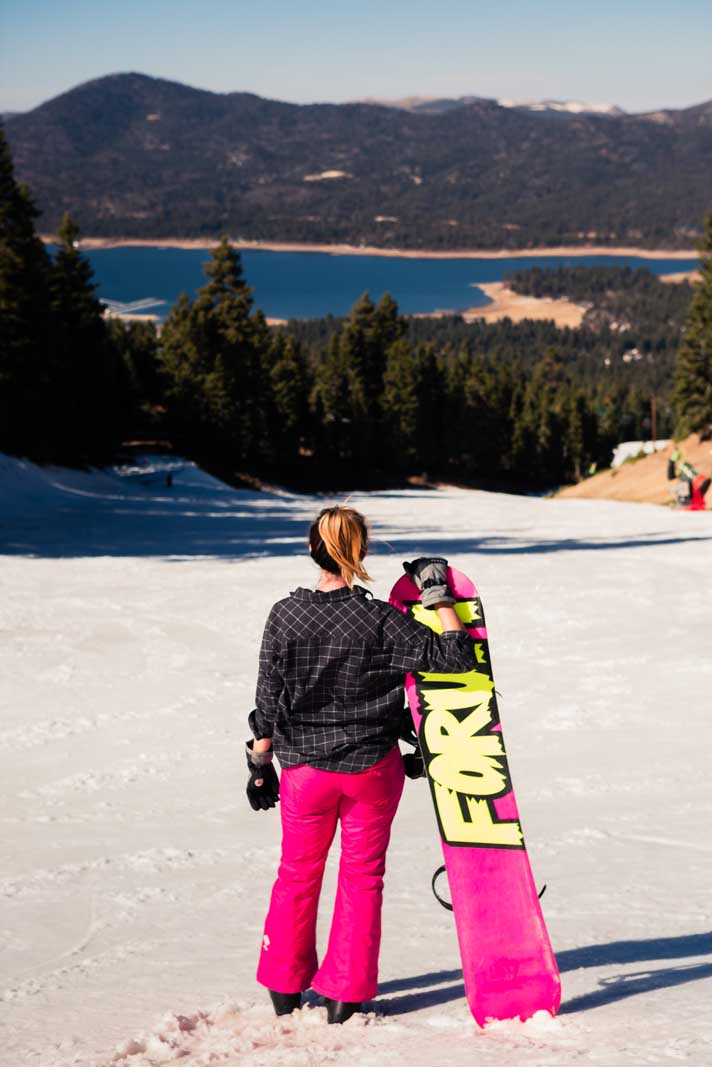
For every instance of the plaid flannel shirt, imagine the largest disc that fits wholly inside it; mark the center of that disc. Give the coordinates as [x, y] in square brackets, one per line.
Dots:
[331, 675]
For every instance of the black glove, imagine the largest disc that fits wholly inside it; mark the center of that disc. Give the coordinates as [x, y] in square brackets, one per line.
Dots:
[430, 576]
[412, 761]
[266, 795]
[407, 730]
[413, 764]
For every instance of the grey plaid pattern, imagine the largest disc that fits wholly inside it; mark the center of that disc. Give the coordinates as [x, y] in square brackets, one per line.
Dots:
[332, 668]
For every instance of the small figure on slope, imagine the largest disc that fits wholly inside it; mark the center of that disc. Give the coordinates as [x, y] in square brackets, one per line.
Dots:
[691, 486]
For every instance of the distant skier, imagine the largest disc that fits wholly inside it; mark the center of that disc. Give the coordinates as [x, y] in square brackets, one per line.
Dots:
[330, 705]
[691, 487]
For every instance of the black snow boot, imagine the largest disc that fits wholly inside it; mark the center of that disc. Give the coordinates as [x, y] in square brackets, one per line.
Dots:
[338, 1011]
[285, 1003]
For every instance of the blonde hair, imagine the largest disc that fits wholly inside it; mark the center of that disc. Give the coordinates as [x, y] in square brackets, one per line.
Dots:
[338, 539]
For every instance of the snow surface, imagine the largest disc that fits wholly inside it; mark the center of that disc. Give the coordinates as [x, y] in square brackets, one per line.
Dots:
[135, 876]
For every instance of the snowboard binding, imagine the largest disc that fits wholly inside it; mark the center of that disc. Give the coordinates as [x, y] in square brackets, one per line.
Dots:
[446, 903]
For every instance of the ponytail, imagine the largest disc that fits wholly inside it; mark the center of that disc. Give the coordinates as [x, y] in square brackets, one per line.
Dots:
[338, 539]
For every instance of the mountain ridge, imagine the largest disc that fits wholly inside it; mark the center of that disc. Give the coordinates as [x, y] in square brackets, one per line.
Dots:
[129, 154]
[436, 105]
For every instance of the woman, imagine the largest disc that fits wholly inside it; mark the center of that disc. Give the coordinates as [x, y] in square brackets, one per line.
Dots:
[330, 707]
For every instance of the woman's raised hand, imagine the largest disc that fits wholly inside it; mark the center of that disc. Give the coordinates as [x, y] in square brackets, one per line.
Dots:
[430, 575]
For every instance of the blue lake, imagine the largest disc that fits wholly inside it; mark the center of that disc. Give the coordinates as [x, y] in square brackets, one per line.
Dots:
[311, 284]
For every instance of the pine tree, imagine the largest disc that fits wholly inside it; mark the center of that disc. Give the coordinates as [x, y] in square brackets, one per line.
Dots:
[538, 438]
[608, 405]
[137, 343]
[25, 324]
[91, 383]
[359, 358]
[693, 371]
[400, 402]
[486, 395]
[367, 334]
[574, 425]
[387, 327]
[290, 391]
[185, 363]
[433, 414]
[136, 346]
[213, 357]
[225, 428]
[330, 401]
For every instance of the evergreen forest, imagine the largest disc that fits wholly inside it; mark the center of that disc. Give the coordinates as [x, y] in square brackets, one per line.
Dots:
[368, 400]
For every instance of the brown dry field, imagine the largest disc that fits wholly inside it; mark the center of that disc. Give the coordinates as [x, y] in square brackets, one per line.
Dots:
[643, 481]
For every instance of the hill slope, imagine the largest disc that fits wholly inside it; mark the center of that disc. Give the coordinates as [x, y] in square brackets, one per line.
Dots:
[130, 154]
[643, 480]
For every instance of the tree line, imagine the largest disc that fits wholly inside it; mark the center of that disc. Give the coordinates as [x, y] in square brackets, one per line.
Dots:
[63, 385]
[668, 326]
[365, 400]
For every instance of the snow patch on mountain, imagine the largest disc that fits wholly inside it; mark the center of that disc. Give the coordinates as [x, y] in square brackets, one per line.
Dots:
[571, 107]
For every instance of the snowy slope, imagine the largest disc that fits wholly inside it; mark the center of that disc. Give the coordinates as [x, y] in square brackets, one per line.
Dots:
[135, 877]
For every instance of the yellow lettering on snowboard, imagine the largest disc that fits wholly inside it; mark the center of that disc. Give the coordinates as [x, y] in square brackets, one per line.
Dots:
[465, 757]
[467, 612]
[480, 829]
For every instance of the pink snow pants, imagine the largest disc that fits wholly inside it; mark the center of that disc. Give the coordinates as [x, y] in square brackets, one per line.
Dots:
[312, 802]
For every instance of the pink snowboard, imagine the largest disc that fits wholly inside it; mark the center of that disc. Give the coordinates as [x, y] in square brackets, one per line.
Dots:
[507, 961]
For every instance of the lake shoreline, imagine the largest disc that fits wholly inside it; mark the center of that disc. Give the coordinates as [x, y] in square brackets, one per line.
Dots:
[521, 307]
[206, 244]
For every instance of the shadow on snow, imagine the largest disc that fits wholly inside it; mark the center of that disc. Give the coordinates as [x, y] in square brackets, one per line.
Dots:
[610, 988]
[186, 523]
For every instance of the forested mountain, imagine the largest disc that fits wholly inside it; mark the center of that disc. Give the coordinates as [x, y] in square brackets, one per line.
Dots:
[138, 156]
[361, 401]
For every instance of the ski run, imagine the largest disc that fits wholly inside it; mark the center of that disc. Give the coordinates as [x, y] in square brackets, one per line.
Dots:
[135, 877]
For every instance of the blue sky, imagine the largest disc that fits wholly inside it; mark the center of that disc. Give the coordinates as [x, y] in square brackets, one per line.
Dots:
[640, 55]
